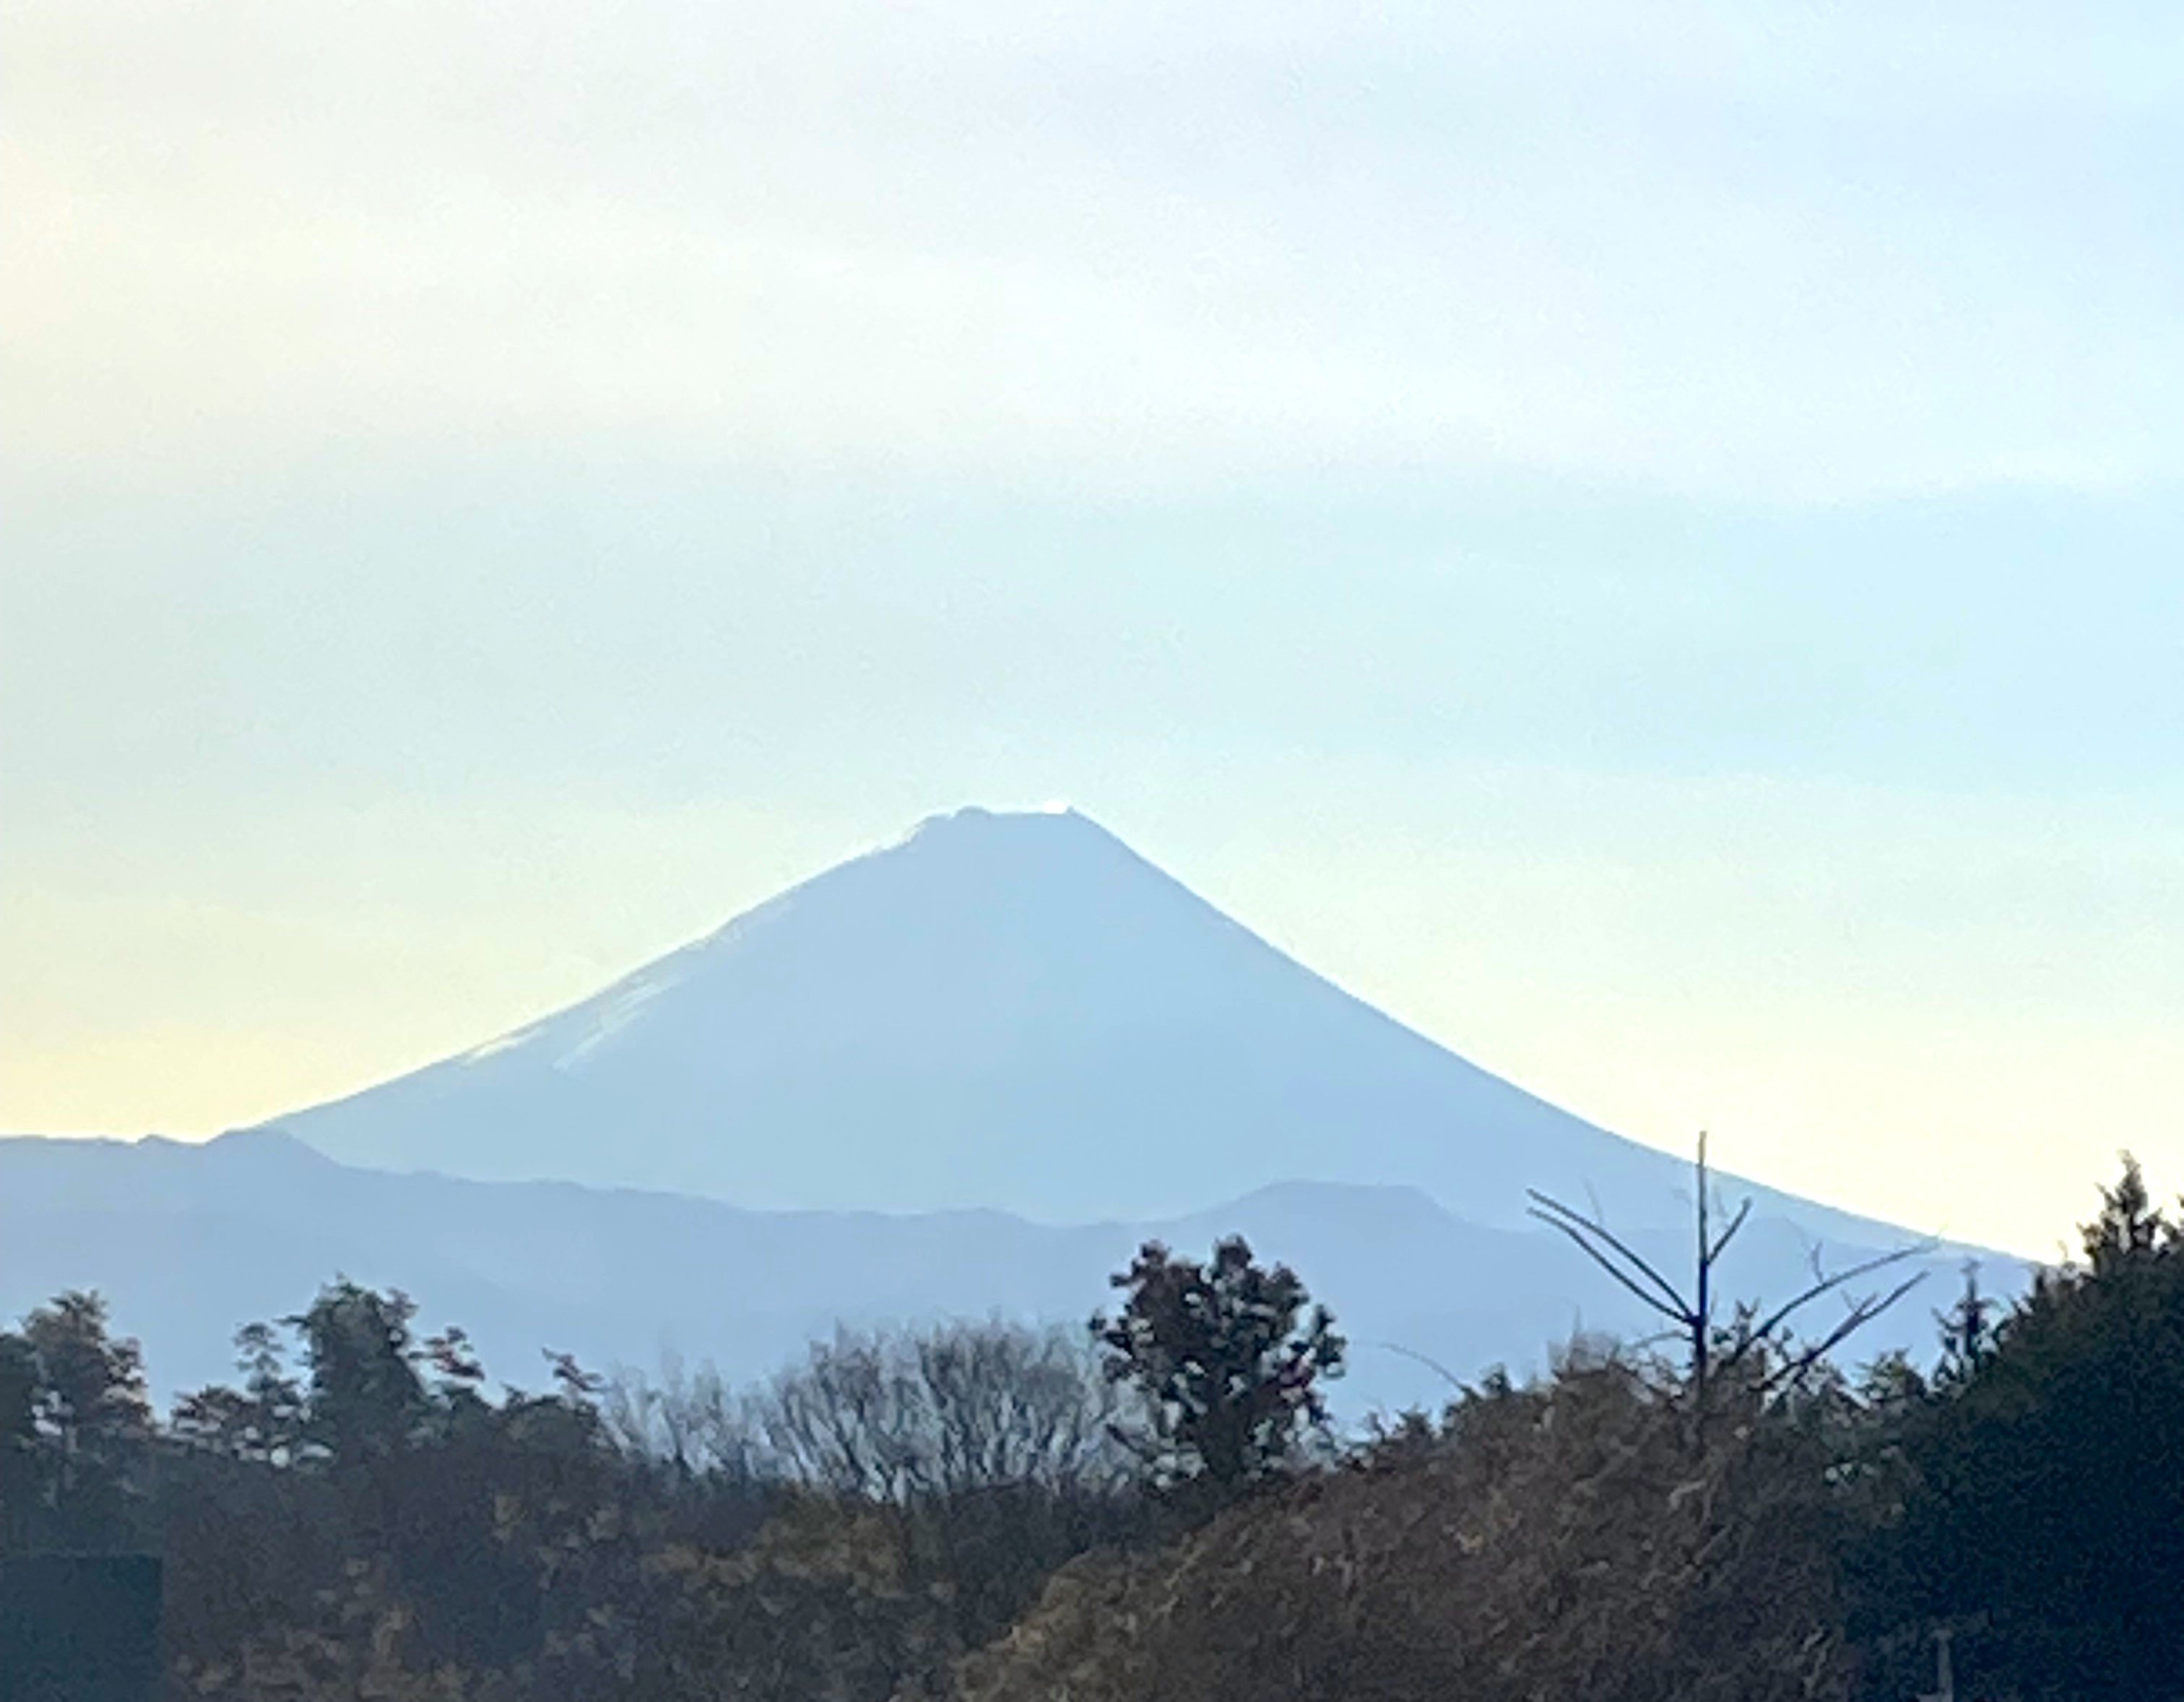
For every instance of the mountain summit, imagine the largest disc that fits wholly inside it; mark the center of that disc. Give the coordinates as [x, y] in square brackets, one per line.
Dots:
[1005, 1010]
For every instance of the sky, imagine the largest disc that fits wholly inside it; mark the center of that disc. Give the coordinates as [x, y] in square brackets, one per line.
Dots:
[1643, 540]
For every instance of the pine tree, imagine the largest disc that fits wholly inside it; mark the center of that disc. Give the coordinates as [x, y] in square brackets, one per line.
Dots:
[1228, 1361]
[2049, 1504]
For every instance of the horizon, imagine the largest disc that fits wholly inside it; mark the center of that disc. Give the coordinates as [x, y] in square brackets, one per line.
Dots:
[1643, 549]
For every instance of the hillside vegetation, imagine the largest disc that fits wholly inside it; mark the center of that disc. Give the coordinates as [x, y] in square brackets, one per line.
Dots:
[1150, 1510]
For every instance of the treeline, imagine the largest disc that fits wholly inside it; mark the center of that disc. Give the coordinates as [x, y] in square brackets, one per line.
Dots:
[1154, 1509]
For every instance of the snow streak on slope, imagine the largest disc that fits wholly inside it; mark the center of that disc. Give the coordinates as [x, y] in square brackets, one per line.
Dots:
[1009, 1011]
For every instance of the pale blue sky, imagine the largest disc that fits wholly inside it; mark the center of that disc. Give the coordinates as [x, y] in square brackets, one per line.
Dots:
[1646, 540]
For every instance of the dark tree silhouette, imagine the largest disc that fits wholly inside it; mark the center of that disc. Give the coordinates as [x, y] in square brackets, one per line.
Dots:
[1752, 1347]
[262, 1421]
[1968, 1328]
[363, 1396]
[2049, 1508]
[19, 1437]
[74, 1422]
[1228, 1361]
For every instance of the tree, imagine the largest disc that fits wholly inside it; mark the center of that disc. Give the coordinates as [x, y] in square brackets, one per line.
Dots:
[89, 1416]
[955, 1409]
[19, 1437]
[262, 1421]
[1968, 1329]
[2048, 1507]
[1751, 1350]
[1230, 1376]
[986, 1448]
[363, 1396]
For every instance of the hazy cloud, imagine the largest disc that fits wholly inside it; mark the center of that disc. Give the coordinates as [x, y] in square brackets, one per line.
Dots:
[1820, 255]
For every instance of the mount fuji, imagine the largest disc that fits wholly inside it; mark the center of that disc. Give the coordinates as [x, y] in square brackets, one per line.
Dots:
[1005, 1011]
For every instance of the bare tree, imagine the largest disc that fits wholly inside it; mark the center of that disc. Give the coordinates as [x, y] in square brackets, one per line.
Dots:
[985, 1451]
[1757, 1344]
[1012, 1406]
[688, 1421]
[955, 1409]
[848, 1419]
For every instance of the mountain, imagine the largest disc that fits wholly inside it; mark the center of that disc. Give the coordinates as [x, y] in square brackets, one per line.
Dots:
[187, 1241]
[1013, 1012]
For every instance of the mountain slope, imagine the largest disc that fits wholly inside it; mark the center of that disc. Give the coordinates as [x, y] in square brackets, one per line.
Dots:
[1006, 1010]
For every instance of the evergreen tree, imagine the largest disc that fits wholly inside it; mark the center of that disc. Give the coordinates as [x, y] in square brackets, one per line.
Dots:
[1228, 1373]
[89, 1420]
[363, 1398]
[1968, 1329]
[262, 1421]
[19, 1437]
[2048, 1505]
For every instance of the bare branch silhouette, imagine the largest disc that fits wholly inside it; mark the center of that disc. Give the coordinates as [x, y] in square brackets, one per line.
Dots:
[1693, 1314]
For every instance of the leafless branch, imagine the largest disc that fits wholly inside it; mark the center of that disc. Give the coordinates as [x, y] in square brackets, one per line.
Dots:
[1861, 1313]
[1427, 1360]
[1693, 1316]
[1729, 1234]
[1676, 1312]
[1829, 1282]
[1550, 1210]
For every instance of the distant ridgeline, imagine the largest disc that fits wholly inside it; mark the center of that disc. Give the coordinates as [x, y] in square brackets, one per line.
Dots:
[79, 1628]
